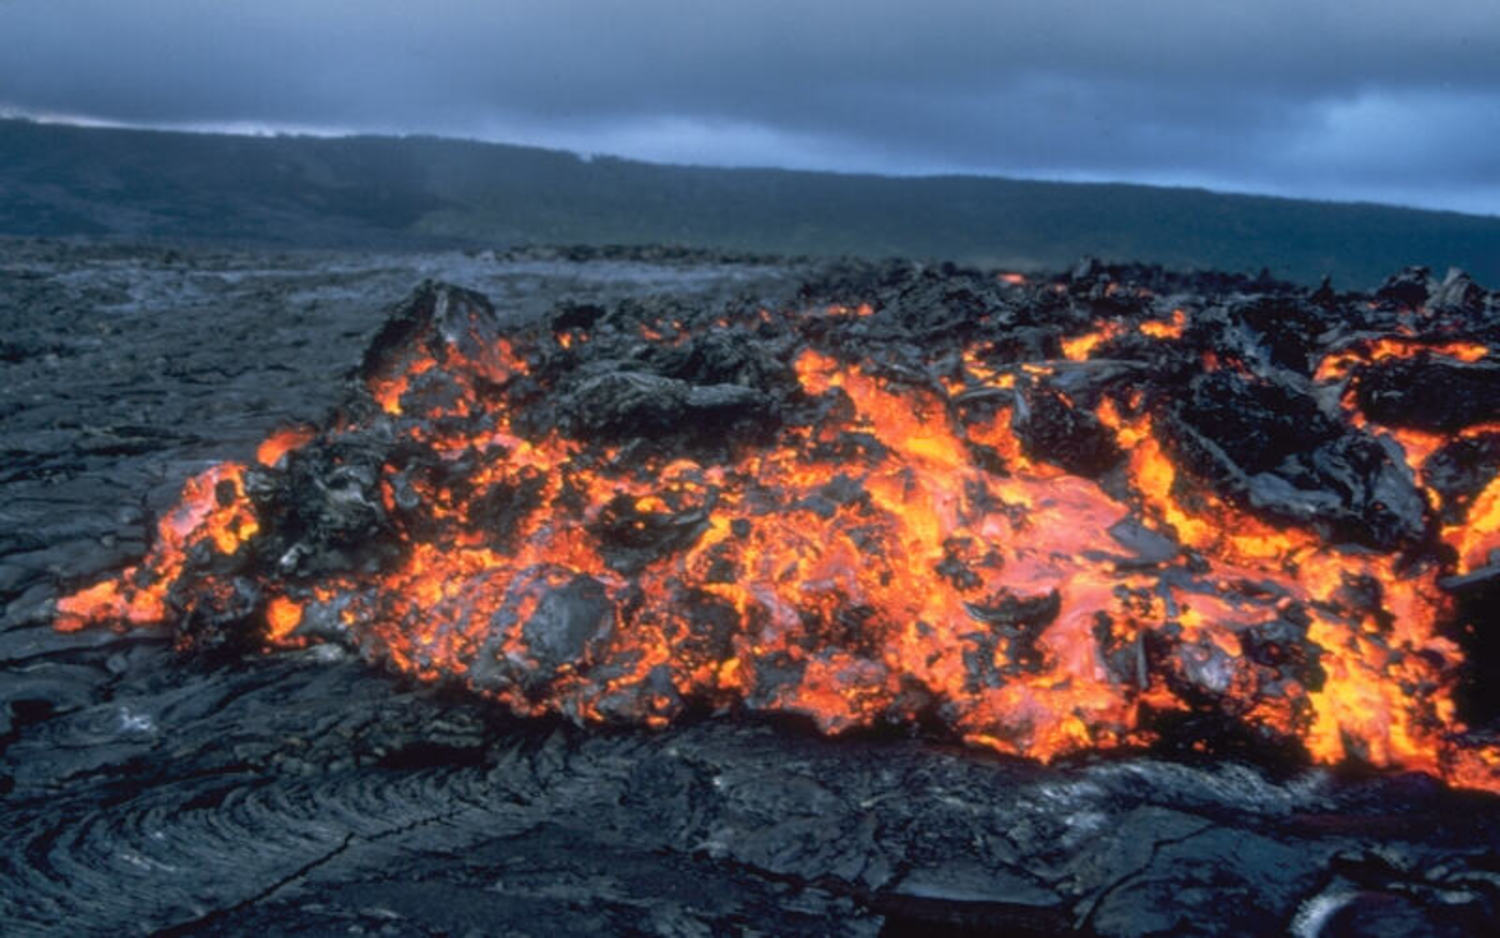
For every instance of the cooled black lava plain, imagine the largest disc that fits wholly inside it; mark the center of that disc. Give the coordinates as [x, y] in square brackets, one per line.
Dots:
[306, 793]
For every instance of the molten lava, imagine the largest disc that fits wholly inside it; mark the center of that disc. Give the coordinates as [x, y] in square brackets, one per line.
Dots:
[1002, 549]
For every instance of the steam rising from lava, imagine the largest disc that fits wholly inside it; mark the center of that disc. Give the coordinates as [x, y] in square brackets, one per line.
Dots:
[1076, 514]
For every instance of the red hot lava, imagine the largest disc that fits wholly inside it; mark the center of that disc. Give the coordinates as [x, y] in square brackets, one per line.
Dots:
[614, 520]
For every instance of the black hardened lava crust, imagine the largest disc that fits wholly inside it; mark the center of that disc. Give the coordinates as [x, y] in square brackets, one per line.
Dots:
[304, 792]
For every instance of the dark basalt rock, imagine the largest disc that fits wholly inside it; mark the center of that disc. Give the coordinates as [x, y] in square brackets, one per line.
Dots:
[722, 358]
[324, 511]
[623, 404]
[567, 621]
[441, 320]
[1458, 293]
[1460, 470]
[571, 316]
[1255, 423]
[1273, 449]
[1286, 328]
[1429, 394]
[1009, 611]
[1146, 546]
[563, 621]
[1282, 644]
[632, 538]
[301, 792]
[503, 505]
[1051, 429]
[1409, 288]
[213, 620]
[1019, 620]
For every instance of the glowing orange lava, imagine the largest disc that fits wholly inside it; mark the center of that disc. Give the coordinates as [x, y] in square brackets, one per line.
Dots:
[1337, 365]
[278, 444]
[894, 556]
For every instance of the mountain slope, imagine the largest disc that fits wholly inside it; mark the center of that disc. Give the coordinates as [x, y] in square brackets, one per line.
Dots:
[426, 192]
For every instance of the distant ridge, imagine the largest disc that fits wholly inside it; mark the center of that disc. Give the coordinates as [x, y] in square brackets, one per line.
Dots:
[424, 192]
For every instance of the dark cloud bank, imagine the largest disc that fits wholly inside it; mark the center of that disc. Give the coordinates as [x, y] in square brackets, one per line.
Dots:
[1386, 100]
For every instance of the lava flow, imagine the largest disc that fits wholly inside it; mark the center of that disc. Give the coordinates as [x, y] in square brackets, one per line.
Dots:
[1040, 516]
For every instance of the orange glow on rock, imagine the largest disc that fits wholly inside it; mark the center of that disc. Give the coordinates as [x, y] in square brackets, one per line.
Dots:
[1080, 348]
[212, 510]
[893, 554]
[1479, 536]
[1337, 366]
[281, 442]
[1170, 329]
[282, 617]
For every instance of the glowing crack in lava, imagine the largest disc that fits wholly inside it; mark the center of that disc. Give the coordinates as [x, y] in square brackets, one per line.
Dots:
[615, 519]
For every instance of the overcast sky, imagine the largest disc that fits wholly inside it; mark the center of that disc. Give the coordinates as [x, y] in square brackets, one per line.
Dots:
[1383, 100]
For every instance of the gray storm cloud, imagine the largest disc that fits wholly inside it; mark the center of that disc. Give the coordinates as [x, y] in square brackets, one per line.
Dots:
[1392, 100]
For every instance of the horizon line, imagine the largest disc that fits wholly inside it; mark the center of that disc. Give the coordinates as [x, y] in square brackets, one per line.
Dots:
[269, 130]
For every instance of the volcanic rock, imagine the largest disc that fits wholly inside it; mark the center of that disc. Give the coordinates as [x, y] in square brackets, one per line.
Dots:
[622, 404]
[298, 789]
[1270, 446]
[1052, 429]
[1428, 394]
[1458, 293]
[1409, 288]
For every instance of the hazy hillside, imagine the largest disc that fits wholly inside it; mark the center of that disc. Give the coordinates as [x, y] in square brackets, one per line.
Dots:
[425, 192]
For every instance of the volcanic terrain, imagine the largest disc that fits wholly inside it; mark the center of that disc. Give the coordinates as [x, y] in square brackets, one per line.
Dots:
[672, 593]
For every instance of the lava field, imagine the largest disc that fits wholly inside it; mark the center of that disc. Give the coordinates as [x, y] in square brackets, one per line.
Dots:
[693, 595]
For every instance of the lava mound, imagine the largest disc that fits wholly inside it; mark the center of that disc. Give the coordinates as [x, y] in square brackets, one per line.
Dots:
[1118, 507]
